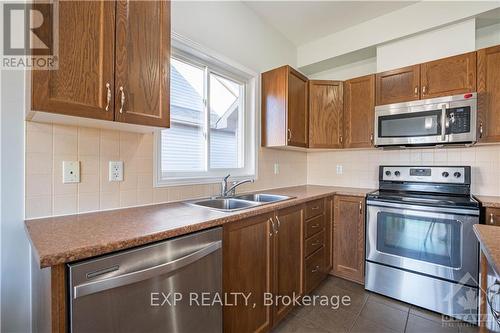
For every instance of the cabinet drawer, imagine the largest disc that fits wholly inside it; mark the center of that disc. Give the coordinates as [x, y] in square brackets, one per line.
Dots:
[492, 216]
[314, 208]
[315, 269]
[315, 225]
[315, 242]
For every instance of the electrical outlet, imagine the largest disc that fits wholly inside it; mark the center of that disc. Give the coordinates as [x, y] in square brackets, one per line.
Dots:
[71, 172]
[340, 169]
[115, 171]
[276, 168]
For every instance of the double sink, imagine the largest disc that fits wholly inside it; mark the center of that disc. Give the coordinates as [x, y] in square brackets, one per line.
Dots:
[239, 202]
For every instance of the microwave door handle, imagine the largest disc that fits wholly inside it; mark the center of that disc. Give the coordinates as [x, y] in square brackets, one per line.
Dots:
[443, 122]
[144, 274]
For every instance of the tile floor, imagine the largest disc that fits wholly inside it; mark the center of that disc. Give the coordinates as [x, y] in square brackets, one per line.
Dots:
[368, 312]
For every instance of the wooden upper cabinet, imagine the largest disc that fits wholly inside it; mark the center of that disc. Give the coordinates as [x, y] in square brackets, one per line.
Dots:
[287, 258]
[398, 85]
[325, 113]
[488, 89]
[142, 62]
[448, 76]
[247, 255]
[349, 238]
[80, 86]
[284, 108]
[359, 108]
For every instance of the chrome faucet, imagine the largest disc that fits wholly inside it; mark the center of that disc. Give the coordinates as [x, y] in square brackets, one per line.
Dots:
[225, 192]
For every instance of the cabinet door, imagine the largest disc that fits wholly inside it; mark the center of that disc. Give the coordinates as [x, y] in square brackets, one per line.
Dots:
[488, 89]
[398, 85]
[273, 107]
[325, 114]
[247, 257]
[143, 63]
[83, 84]
[297, 109]
[359, 108]
[287, 257]
[349, 238]
[449, 76]
[329, 234]
[492, 216]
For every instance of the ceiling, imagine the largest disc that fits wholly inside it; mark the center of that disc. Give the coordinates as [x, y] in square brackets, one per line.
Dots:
[305, 21]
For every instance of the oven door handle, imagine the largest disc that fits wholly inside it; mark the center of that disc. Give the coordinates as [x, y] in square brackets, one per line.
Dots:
[443, 122]
[415, 207]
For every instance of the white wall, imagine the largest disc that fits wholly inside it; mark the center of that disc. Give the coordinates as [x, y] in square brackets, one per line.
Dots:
[488, 36]
[234, 30]
[413, 19]
[15, 269]
[345, 72]
[443, 42]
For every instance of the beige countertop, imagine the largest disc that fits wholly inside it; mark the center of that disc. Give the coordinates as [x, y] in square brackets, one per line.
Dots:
[489, 238]
[57, 240]
[489, 201]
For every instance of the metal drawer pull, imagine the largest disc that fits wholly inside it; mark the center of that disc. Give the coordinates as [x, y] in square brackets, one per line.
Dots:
[492, 219]
[315, 269]
[490, 295]
[143, 274]
[273, 226]
[289, 134]
[122, 99]
[315, 226]
[316, 243]
[278, 220]
[108, 96]
[360, 208]
[315, 208]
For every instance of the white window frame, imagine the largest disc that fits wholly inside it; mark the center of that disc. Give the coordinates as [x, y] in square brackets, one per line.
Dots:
[186, 50]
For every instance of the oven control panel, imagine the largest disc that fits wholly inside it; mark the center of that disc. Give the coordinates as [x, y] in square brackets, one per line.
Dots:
[431, 174]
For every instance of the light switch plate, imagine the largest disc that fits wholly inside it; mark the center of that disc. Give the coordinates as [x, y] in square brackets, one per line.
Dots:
[115, 171]
[71, 172]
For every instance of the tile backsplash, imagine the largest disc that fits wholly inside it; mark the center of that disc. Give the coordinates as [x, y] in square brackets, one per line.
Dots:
[48, 145]
[360, 167]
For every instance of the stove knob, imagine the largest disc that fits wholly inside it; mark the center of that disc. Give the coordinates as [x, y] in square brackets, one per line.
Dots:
[387, 173]
[445, 174]
[457, 174]
[397, 173]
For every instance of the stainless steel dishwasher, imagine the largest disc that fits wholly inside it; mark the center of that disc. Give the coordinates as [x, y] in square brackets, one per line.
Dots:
[138, 290]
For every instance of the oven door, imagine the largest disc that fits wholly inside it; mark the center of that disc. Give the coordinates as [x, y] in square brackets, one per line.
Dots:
[436, 241]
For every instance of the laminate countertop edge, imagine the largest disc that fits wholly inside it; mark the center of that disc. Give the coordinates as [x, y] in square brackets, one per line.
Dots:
[55, 240]
[489, 239]
[489, 201]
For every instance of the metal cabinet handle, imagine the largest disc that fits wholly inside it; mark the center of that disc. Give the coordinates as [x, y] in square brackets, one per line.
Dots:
[360, 208]
[143, 274]
[315, 269]
[490, 294]
[315, 226]
[341, 139]
[273, 225]
[122, 99]
[289, 135]
[316, 243]
[371, 138]
[424, 90]
[315, 208]
[416, 91]
[278, 221]
[108, 95]
[492, 219]
[481, 130]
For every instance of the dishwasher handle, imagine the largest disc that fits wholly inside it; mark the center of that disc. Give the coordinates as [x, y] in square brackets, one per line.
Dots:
[143, 274]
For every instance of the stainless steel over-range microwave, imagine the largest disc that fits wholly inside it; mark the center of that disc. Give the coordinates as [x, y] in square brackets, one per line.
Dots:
[430, 122]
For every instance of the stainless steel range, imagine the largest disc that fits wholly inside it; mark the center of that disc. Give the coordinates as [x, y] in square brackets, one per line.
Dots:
[420, 246]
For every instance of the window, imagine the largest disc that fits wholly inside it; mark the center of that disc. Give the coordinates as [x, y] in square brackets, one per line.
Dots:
[212, 122]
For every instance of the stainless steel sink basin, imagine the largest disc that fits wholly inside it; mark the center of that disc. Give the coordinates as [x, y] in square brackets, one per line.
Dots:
[226, 204]
[263, 197]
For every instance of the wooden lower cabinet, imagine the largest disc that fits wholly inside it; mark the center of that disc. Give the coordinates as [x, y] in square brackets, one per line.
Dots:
[248, 259]
[492, 216]
[262, 255]
[288, 250]
[349, 238]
